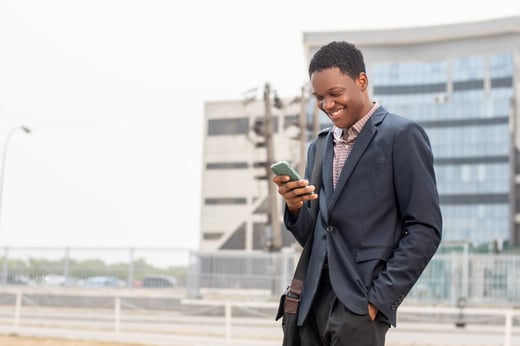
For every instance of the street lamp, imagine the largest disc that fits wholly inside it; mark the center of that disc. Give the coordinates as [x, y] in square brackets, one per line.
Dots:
[26, 130]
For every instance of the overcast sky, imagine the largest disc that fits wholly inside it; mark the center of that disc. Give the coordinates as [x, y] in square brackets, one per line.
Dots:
[114, 91]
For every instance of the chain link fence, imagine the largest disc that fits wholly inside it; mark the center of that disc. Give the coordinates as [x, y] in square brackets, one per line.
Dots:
[478, 279]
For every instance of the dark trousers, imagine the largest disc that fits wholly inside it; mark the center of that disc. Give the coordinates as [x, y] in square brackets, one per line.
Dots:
[330, 323]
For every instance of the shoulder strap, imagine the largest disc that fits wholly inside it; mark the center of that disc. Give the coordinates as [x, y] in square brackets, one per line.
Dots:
[316, 174]
[301, 267]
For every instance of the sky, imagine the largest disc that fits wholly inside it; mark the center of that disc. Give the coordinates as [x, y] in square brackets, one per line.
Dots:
[114, 91]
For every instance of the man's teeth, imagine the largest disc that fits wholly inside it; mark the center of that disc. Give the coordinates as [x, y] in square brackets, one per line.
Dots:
[336, 112]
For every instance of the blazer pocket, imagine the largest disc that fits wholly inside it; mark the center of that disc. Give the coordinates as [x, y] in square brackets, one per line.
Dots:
[371, 261]
[374, 253]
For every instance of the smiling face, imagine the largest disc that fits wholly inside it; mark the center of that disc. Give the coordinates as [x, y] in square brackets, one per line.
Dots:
[343, 99]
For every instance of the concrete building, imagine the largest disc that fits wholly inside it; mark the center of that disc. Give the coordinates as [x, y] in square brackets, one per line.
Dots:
[460, 81]
[235, 193]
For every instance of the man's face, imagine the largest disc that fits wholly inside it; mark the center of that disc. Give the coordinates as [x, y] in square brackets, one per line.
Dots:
[343, 99]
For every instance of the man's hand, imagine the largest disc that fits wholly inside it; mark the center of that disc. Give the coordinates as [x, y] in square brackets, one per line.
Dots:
[295, 193]
[372, 311]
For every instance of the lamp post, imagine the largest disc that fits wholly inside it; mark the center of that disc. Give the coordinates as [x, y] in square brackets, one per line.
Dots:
[302, 124]
[4, 159]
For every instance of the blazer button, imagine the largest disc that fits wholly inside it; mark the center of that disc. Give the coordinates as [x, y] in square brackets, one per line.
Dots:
[329, 229]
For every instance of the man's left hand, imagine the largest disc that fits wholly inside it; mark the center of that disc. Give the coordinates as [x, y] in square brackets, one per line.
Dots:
[372, 311]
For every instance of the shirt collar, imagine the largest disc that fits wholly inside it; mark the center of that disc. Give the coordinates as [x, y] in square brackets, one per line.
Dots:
[355, 129]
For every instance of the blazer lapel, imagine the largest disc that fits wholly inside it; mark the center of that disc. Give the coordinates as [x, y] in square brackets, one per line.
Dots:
[328, 158]
[361, 144]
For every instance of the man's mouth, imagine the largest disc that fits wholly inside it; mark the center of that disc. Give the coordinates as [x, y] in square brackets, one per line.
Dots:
[336, 113]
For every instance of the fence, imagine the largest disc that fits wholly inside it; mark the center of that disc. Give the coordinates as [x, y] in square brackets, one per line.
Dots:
[224, 322]
[118, 267]
[478, 279]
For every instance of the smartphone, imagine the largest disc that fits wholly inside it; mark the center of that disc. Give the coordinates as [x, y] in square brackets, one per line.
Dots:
[284, 168]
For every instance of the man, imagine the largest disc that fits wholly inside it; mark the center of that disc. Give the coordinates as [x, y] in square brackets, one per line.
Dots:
[379, 221]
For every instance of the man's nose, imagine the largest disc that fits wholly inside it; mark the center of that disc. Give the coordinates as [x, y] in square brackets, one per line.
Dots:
[327, 104]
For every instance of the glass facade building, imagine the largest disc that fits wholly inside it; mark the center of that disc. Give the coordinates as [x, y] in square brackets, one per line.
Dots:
[460, 83]
[463, 104]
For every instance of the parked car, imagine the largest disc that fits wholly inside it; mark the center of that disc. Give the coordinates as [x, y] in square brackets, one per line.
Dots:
[60, 280]
[104, 281]
[159, 281]
[18, 280]
[54, 280]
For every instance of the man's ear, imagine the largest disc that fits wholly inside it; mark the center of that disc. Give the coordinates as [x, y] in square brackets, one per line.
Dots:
[362, 81]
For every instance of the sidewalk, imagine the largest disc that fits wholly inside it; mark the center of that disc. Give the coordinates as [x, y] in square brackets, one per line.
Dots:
[406, 335]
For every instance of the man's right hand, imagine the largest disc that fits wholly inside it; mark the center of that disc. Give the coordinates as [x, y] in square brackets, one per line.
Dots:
[295, 193]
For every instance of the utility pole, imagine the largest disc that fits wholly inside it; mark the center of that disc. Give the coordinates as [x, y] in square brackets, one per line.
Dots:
[302, 123]
[514, 172]
[272, 201]
[316, 122]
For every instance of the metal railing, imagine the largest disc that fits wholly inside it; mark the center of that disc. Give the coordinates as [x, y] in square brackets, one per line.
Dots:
[229, 320]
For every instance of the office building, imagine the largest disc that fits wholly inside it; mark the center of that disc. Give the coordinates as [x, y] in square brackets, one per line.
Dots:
[461, 82]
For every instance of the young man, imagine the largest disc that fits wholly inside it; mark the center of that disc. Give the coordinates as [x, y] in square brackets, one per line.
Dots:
[379, 221]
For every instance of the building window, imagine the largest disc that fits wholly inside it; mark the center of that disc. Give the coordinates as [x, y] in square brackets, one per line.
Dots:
[504, 82]
[469, 68]
[226, 165]
[291, 120]
[501, 66]
[468, 85]
[212, 236]
[409, 89]
[221, 127]
[224, 201]
[259, 125]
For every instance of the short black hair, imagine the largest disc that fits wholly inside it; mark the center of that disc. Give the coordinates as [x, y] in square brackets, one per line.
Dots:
[340, 54]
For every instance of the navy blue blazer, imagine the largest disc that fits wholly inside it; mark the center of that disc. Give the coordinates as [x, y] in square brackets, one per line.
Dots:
[381, 225]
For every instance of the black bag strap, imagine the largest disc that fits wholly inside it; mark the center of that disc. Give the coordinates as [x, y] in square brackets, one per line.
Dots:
[301, 267]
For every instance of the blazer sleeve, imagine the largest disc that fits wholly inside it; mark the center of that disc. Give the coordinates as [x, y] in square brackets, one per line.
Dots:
[301, 225]
[418, 204]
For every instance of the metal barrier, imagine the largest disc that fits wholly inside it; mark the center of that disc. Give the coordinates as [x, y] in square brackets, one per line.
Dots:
[507, 313]
[120, 318]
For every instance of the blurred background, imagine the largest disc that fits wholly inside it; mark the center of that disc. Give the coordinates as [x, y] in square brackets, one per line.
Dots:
[136, 137]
